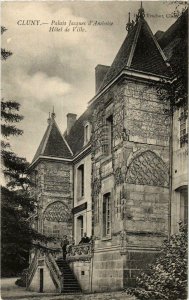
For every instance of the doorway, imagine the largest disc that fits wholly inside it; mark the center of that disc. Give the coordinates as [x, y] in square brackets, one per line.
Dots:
[41, 281]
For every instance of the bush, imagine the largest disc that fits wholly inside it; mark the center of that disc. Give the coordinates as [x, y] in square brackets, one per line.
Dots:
[22, 281]
[167, 278]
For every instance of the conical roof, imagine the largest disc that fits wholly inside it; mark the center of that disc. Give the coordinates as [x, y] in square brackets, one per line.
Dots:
[141, 52]
[53, 143]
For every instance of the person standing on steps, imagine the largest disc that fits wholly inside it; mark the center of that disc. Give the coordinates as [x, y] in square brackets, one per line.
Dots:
[64, 245]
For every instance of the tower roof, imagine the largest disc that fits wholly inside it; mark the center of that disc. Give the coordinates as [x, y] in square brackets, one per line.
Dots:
[140, 51]
[53, 143]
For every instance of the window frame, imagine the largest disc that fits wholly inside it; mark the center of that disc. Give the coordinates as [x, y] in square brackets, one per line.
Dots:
[79, 226]
[106, 216]
[87, 132]
[184, 206]
[80, 181]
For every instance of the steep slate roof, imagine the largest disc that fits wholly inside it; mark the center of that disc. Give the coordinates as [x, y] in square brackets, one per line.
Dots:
[175, 34]
[75, 138]
[53, 143]
[140, 51]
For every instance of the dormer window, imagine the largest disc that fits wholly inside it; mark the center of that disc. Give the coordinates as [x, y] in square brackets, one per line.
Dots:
[87, 133]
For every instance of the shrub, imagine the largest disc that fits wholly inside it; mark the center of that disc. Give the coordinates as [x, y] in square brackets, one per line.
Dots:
[167, 277]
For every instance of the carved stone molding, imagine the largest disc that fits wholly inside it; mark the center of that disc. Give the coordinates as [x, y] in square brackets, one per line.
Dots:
[118, 176]
[123, 242]
[147, 168]
[79, 252]
[56, 212]
[96, 186]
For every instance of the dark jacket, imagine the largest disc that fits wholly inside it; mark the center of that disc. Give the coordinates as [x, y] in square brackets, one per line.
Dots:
[84, 240]
[64, 244]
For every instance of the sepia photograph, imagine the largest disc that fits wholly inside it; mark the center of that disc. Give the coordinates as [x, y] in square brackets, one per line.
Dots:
[94, 150]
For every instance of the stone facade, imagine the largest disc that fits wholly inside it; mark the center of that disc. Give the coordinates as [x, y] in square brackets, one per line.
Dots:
[82, 203]
[179, 170]
[136, 174]
[54, 181]
[123, 177]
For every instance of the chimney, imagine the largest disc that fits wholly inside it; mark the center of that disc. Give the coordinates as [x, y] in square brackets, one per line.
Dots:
[71, 118]
[100, 72]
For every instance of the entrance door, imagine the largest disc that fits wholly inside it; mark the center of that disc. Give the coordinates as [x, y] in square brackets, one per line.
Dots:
[41, 281]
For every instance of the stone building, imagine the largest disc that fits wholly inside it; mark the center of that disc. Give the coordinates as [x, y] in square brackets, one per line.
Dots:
[118, 173]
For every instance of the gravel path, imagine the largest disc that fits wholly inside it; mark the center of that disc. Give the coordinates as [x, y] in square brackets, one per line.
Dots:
[11, 291]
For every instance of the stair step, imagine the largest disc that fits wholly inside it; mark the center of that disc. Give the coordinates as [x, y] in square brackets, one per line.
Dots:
[71, 292]
[71, 289]
[70, 285]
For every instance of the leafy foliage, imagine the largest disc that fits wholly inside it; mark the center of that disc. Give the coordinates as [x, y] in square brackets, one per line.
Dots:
[4, 53]
[167, 278]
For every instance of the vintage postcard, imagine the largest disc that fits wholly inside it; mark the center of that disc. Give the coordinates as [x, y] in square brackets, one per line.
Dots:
[94, 149]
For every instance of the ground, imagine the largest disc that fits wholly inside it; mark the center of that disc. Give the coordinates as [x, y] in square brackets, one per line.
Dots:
[11, 291]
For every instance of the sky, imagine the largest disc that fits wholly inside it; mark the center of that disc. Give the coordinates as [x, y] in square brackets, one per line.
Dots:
[58, 68]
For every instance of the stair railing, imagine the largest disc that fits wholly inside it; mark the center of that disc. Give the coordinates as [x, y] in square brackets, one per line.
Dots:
[56, 275]
[32, 268]
[81, 252]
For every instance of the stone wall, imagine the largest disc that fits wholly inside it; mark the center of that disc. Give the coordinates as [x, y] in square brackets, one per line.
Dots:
[107, 270]
[82, 271]
[179, 171]
[48, 285]
[54, 192]
[85, 199]
[136, 261]
[136, 173]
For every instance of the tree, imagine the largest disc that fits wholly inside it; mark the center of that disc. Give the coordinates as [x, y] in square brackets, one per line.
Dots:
[167, 277]
[4, 53]
[17, 204]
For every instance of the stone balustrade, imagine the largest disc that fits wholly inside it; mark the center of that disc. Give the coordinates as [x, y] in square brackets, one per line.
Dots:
[81, 252]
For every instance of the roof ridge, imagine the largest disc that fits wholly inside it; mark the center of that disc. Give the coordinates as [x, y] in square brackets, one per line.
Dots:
[53, 143]
[156, 43]
[63, 138]
[47, 137]
[133, 47]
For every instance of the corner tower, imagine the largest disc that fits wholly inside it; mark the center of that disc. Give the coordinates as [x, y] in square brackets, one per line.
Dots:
[130, 160]
[51, 172]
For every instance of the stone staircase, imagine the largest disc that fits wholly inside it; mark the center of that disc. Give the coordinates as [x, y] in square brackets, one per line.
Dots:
[70, 283]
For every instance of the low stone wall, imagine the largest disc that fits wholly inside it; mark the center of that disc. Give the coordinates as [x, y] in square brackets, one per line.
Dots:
[82, 271]
[48, 285]
[107, 274]
[136, 262]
